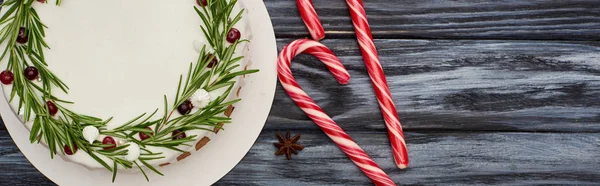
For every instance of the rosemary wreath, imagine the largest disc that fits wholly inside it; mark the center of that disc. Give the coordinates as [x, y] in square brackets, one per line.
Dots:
[65, 129]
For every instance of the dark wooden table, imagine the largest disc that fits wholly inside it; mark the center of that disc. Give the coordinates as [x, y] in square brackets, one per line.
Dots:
[489, 92]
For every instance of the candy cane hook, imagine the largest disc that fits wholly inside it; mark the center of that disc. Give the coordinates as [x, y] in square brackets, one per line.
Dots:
[308, 105]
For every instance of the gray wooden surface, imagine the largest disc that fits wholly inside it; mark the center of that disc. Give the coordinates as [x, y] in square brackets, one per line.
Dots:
[489, 92]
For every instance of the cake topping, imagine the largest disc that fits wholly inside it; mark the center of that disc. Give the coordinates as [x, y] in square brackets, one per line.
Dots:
[185, 107]
[68, 150]
[200, 99]
[202, 2]
[122, 142]
[133, 152]
[52, 109]
[116, 147]
[233, 35]
[288, 145]
[178, 134]
[109, 141]
[202, 142]
[22, 37]
[22, 114]
[213, 62]
[144, 135]
[31, 73]
[90, 133]
[6, 77]
[183, 156]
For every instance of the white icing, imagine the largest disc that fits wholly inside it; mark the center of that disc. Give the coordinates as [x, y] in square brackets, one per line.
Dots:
[200, 99]
[133, 152]
[90, 134]
[22, 114]
[121, 141]
[120, 59]
[203, 43]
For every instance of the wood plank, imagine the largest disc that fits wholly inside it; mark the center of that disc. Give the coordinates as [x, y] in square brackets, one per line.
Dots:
[450, 19]
[449, 158]
[14, 167]
[466, 85]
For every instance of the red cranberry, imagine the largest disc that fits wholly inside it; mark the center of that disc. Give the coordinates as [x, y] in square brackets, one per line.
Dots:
[233, 35]
[41, 1]
[68, 150]
[52, 109]
[6, 77]
[202, 2]
[144, 136]
[31, 73]
[212, 62]
[109, 140]
[22, 37]
[178, 134]
[185, 107]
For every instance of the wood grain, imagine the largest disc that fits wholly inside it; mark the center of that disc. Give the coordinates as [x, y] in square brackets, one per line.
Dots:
[489, 92]
[468, 106]
[14, 167]
[450, 85]
[450, 19]
[448, 158]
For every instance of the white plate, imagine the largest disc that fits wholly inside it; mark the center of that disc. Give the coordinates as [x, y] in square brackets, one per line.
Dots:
[215, 159]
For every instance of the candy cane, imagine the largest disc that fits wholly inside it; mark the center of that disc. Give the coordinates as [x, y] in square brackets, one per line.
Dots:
[311, 19]
[382, 91]
[308, 105]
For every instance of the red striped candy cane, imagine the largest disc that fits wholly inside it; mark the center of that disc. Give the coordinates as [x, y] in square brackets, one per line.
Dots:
[382, 91]
[308, 105]
[311, 19]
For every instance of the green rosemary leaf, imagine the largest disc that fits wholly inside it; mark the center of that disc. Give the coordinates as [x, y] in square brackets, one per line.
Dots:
[151, 158]
[221, 85]
[102, 162]
[171, 147]
[115, 168]
[151, 167]
[187, 80]
[166, 107]
[230, 68]
[35, 130]
[237, 18]
[196, 128]
[68, 138]
[235, 74]
[113, 150]
[8, 2]
[8, 14]
[178, 91]
[129, 122]
[140, 130]
[126, 164]
[142, 170]
[149, 117]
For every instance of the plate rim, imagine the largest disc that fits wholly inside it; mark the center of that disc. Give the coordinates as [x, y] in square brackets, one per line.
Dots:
[264, 38]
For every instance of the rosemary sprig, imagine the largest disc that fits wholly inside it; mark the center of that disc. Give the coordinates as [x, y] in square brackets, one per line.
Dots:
[66, 128]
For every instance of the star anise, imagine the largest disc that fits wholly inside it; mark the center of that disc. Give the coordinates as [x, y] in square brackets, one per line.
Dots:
[288, 145]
